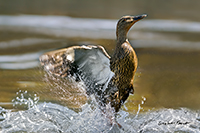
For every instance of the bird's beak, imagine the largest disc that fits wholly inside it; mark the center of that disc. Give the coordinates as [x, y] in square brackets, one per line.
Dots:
[139, 17]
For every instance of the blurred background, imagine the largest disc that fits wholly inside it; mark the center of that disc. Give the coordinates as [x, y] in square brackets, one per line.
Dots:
[167, 44]
[157, 9]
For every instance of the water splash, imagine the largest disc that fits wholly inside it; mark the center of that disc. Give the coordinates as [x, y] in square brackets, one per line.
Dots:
[25, 100]
[2, 113]
[48, 117]
[65, 91]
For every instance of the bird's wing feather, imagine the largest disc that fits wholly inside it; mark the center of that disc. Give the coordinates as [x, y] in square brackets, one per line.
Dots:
[58, 62]
[92, 61]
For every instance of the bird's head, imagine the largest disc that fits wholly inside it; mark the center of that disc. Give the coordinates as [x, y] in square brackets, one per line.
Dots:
[126, 22]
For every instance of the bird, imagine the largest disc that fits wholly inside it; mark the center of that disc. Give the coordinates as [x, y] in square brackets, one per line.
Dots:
[109, 78]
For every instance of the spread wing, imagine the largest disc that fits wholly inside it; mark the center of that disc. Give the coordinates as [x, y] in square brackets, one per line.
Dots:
[91, 61]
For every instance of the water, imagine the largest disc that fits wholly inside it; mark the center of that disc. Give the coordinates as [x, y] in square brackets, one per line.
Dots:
[166, 95]
[25, 100]
[48, 117]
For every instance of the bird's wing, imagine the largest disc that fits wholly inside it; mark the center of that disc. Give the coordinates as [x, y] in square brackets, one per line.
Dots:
[58, 62]
[92, 61]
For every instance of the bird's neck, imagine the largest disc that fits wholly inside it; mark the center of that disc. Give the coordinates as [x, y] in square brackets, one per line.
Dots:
[121, 36]
[119, 48]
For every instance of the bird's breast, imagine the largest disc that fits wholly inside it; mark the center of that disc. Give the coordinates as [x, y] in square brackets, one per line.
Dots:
[124, 64]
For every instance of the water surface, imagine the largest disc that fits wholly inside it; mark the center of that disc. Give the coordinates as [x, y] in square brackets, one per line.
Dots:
[166, 84]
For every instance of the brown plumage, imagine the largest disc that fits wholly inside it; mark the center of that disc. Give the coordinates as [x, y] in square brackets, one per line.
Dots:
[110, 79]
[124, 61]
